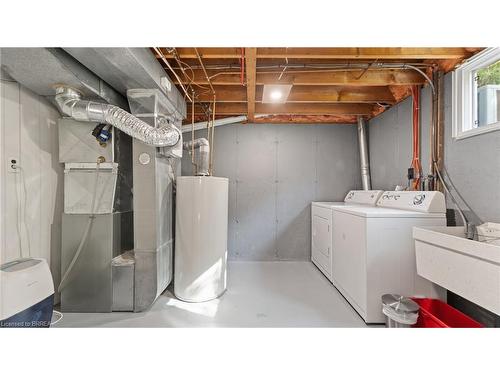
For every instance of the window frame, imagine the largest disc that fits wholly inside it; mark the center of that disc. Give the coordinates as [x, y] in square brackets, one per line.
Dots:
[464, 95]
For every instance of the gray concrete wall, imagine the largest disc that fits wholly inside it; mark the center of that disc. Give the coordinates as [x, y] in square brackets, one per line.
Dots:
[473, 163]
[275, 172]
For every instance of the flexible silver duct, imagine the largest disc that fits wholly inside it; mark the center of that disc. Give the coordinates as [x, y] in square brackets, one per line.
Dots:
[203, 145]
[71, 104]
[363, 154]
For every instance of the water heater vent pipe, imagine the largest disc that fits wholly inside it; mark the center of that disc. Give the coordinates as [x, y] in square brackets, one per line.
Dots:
[203, 166]
[363, 154]
[70, 103]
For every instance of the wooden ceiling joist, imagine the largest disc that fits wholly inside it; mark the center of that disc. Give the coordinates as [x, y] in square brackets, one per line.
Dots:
[251, 74]
[308, 94]
[315, 109]
[307, 119]
[362, 53]
[328, 84]
[293, 109]
[372, 77]
[331, 53]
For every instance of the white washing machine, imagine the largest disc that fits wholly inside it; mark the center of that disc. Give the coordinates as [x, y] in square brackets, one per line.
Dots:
[373, 251]
[321, 225]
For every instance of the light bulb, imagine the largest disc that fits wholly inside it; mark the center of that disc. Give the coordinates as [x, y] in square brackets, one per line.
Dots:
[276, 95]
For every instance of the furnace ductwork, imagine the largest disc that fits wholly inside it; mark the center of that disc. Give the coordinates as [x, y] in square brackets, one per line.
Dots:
[204, 146]
[71, 104]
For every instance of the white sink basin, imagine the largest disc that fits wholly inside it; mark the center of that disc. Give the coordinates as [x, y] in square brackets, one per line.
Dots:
[468, 268]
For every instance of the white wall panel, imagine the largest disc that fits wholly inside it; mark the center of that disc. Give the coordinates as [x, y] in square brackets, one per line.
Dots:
[28, 131]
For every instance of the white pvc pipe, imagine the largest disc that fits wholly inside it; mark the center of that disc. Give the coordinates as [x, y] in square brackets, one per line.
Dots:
[220, 122]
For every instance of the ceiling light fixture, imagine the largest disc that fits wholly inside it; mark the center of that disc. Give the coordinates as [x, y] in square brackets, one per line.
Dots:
[275, 93]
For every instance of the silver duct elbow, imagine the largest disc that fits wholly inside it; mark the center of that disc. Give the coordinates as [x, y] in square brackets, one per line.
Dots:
[70, 103]
[363, 155]
[204, 146]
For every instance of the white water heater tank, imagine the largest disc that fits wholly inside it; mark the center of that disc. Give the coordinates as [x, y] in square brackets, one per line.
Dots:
[201, 238]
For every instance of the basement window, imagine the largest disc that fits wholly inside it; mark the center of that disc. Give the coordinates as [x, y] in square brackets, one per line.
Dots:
[476, 95]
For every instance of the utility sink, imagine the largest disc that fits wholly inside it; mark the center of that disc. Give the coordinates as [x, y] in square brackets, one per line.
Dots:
[468, 268]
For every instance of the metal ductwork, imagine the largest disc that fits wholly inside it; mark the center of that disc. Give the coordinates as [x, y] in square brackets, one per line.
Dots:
[70, 103]
[105, 77]
[202, 168]
[43, 69]
[363, 154]
[132, 68]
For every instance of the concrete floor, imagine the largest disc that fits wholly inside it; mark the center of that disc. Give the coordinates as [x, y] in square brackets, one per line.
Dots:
[260, 294]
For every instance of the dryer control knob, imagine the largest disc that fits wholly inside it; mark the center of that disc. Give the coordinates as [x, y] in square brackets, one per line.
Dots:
[418, 199]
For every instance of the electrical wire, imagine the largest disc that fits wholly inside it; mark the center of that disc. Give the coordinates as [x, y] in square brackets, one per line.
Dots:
[188, 78]
[352, 66]
[61, 315]
[431, 84]
[445, 186]
[286, 65]
[158, 51]
[204, 70]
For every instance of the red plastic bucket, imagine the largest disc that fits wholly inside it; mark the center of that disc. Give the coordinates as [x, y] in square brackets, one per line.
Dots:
[438, 314]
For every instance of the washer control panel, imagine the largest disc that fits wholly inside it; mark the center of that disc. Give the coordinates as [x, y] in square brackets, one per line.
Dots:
[423, 201]
[369, 197]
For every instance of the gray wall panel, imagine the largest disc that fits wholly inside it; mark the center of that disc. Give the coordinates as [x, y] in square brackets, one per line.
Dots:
[256, 221]
[390, 146]
[337, 162]
[294, 190]
[275, 171]
[472, 162]
[474, 167]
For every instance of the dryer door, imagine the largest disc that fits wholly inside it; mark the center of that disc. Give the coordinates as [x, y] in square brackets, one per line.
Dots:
[321, 239]
[349, 259]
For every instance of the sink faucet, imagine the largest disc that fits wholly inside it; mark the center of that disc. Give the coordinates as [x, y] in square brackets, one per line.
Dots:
[470, 230]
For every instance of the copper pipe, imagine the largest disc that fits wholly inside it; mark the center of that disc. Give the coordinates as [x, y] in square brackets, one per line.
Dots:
[158, 51]
[193, 162]
[210, 132]
[415, 162]
[212, 146]
[242, 78]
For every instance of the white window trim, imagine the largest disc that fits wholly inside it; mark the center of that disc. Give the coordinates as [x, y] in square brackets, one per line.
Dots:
[461, 95]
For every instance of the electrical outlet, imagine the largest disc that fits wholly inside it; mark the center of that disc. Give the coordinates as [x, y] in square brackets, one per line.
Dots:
[12, 164]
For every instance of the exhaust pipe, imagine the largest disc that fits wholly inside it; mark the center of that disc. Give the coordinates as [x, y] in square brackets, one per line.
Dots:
[70, 103]
[202, 169]
[363, 154]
